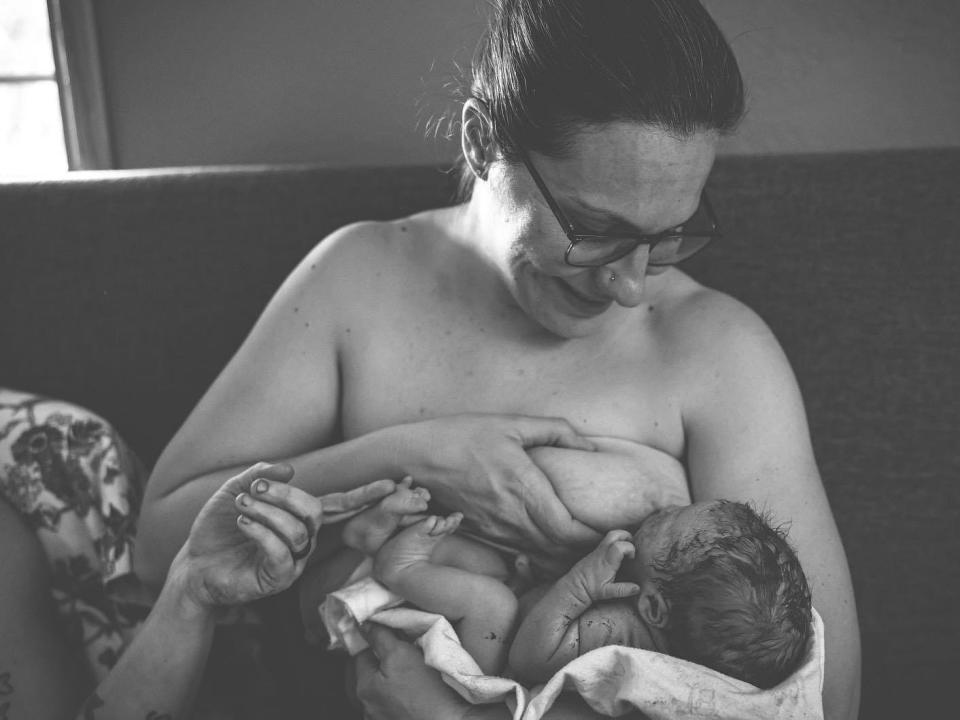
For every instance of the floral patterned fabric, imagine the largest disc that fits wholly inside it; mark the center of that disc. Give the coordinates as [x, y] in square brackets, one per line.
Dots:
[79, 487]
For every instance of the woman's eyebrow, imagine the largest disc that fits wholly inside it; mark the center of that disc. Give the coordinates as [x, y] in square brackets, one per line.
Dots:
[615, 219]
[605, 216]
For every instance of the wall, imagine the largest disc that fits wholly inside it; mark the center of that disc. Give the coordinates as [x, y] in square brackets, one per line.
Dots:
[845, 74]
[246, 81]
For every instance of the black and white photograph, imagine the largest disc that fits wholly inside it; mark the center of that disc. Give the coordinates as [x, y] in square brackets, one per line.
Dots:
[479, 359]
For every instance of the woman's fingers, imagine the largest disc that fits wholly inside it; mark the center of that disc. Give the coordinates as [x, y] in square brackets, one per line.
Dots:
[319, 511]
[548, 512]
[292, 530]
[275, 551]
[340, 506]
[275, 472]
[552, 431]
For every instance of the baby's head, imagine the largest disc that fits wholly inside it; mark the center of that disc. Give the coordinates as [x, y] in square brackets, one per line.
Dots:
[725, 588]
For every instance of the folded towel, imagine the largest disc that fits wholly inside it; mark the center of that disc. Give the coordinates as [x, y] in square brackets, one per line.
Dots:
[613, 680]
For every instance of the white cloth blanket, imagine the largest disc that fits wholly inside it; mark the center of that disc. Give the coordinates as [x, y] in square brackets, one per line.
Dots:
[613, 680]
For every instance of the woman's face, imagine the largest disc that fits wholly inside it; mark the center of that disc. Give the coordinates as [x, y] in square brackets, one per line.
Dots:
[623, 176]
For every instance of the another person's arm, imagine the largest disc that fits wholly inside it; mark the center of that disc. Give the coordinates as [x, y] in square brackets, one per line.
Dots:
[394, 683]
[251, 539]
[748, 440]
[279, 399]
[549, 636]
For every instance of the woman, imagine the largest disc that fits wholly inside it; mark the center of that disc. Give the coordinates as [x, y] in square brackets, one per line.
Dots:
[550, 302]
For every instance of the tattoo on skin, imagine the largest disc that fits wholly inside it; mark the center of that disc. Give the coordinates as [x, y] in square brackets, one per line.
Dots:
[4, 709]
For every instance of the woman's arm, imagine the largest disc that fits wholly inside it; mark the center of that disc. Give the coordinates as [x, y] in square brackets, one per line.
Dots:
[394, 683]
[748, 440]
[159, 674]
[278, 400]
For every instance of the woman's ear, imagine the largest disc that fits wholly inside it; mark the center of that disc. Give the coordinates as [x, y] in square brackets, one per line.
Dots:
[476, 137]
[654, 610]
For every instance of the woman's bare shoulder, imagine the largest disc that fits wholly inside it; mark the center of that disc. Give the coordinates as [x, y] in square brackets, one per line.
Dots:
[365, 259]
[702, 321]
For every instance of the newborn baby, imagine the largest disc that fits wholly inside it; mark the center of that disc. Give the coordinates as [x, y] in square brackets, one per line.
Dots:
[710, 582]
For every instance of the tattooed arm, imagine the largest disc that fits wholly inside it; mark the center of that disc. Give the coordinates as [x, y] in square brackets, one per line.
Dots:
[251, 539]
[158, 675]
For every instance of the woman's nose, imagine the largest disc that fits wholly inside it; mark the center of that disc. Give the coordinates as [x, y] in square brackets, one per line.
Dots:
[627, 277]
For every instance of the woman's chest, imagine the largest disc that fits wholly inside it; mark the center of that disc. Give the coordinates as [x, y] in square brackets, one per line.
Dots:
[397, 371]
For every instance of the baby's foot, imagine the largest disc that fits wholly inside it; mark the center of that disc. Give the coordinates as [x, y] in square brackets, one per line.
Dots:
[370, 529]
[412, 546]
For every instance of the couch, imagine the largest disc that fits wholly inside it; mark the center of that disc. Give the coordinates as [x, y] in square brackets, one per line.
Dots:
[128, 291]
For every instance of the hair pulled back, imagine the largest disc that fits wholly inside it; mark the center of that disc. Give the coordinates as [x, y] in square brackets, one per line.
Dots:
[546, 69]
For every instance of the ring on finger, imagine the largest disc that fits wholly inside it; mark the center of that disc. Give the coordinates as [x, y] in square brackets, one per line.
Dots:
[298, 555]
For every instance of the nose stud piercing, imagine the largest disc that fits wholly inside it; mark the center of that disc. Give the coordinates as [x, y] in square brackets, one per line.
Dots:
[613, 276]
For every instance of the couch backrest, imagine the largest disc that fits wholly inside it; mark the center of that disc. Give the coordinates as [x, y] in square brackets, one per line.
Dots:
[128, 292]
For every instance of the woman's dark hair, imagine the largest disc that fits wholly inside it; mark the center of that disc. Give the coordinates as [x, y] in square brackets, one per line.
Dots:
[546, 69]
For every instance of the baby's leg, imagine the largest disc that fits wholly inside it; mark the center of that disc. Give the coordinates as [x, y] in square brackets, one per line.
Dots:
[481, 608]
[370, 529]
[467, 554]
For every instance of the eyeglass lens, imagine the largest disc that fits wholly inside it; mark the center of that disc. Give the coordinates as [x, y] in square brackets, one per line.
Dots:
[668, 250]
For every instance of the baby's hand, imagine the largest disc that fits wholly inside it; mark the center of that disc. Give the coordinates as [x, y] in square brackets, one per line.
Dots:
[596, 573]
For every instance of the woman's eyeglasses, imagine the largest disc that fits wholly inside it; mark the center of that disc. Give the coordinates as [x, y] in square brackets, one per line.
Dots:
[666, 248]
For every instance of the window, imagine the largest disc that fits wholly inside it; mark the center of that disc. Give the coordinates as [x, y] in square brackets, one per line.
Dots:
[31, 130]
[52, 110]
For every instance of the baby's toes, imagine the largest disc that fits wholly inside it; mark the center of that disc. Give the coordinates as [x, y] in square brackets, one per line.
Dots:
[399, 502]
[447, 525]
[422, 493]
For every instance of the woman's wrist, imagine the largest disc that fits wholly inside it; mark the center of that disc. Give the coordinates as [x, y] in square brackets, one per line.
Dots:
[404, 449]
[180, 598]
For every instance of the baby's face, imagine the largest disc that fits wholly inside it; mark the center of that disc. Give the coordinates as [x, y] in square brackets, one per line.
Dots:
[660, 531]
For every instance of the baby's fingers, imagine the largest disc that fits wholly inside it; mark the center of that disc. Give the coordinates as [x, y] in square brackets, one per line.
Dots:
[615, 591]
[617, 551]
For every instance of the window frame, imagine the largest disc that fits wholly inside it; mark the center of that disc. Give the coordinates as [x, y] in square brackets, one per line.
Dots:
[79, 74]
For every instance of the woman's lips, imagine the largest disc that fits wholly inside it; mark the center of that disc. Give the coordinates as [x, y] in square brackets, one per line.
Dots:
[581, 305]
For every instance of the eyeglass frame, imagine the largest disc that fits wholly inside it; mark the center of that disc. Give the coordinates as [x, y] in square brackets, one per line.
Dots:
[650, 239]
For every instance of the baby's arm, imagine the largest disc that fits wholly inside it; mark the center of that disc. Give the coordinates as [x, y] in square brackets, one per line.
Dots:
[549, 636]
[481, 608]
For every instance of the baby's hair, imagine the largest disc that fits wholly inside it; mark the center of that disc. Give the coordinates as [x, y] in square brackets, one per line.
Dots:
[739, 601]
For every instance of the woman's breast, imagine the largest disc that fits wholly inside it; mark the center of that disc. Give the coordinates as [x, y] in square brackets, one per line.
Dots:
[616, 486]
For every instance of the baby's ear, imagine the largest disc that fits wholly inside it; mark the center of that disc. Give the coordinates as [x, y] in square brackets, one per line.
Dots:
[653, 608]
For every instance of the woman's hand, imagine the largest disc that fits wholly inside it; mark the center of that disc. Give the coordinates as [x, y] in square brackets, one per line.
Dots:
[394, 683]
[254, 536]
[477, 463]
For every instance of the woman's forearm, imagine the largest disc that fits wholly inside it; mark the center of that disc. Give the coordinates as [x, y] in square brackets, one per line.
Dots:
[159, 674]
[166, 516]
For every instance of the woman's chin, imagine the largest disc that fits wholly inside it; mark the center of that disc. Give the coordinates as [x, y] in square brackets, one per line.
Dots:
[563, 318]
[569, 328]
